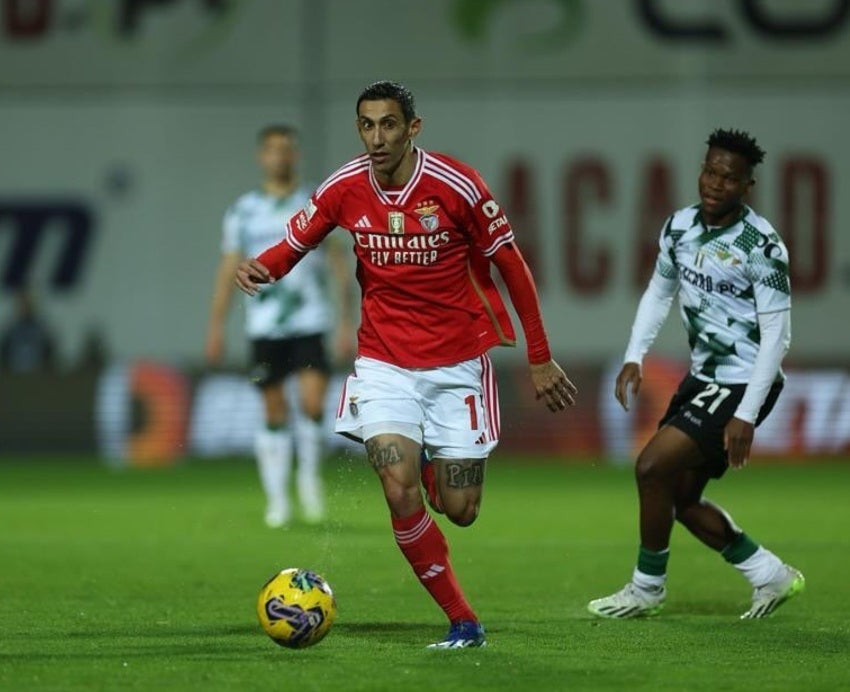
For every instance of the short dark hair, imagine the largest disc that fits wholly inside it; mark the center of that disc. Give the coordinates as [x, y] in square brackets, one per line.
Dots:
[277, 129]
[393, 91]
[738, 142]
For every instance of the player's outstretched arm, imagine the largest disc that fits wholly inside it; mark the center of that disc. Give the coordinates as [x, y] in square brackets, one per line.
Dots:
[250, 274]
[550, 382]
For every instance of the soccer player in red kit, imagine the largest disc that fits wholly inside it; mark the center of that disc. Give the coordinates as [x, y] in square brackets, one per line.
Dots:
[425, 230]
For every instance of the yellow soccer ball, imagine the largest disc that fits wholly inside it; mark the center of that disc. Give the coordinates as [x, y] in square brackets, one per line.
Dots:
[296, 608]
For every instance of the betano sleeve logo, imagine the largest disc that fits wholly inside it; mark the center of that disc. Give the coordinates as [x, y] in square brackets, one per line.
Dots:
[490, 209]
[300, 221]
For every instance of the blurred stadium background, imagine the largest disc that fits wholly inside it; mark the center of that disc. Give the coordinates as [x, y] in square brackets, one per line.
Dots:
[127, 127]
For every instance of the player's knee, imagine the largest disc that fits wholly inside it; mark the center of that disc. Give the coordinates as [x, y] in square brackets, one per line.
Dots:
[466, 518]
[312, 398]
[396, 494]
[402, 499]
[463, 513]
[643, 468]
[648, 468]
[275, 404]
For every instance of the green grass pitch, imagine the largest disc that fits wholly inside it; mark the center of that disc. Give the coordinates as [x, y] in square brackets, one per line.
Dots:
[147, 580]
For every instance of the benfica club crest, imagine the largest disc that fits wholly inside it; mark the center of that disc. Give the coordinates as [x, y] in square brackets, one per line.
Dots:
[395, 223]
[428, 218]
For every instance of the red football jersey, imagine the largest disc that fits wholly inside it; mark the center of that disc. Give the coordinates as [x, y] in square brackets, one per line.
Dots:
[422, 258]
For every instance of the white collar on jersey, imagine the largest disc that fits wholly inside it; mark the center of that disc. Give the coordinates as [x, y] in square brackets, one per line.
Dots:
[400, 198]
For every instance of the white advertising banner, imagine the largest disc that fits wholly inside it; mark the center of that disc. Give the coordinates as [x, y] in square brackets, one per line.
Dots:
[127, 128]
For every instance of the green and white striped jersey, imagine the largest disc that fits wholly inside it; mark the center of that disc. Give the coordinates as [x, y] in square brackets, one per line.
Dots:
[299, 303]
[724, 276]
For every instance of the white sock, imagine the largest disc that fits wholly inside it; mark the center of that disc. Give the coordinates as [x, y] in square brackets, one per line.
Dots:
[308, 438]
[760, 568]
[648, 582]
[274, 461]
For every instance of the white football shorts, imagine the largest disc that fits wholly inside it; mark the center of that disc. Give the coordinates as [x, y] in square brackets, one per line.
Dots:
[453, 411]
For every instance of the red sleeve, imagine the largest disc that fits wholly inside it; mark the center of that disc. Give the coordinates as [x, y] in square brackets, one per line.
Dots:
[523, 294]
[279, 259]
[487, 222]
[304, 231]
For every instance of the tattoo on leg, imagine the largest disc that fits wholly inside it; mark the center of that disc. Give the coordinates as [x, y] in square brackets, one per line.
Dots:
[382, 455]
[465, 475]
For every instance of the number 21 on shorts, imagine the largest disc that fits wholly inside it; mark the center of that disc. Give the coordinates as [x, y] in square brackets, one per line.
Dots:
[712, 391]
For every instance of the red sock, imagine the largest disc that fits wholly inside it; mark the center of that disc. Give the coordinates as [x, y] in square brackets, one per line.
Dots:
[429, 482]
[424, 546]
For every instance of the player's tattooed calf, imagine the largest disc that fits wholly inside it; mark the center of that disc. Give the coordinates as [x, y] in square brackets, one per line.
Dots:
[465, 475]
[381, 455]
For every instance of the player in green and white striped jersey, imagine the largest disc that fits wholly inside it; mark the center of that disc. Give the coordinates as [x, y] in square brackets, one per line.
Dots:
[726, 276]
[286, 323]
[729, 268]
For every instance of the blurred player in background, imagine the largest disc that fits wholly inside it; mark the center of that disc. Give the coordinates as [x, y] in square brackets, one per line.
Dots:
[425, 229]
[26, 343]
[286, 323]
[730, 270]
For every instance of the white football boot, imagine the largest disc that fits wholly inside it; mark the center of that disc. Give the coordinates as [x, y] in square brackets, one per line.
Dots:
[769, 597]
[629, 602]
